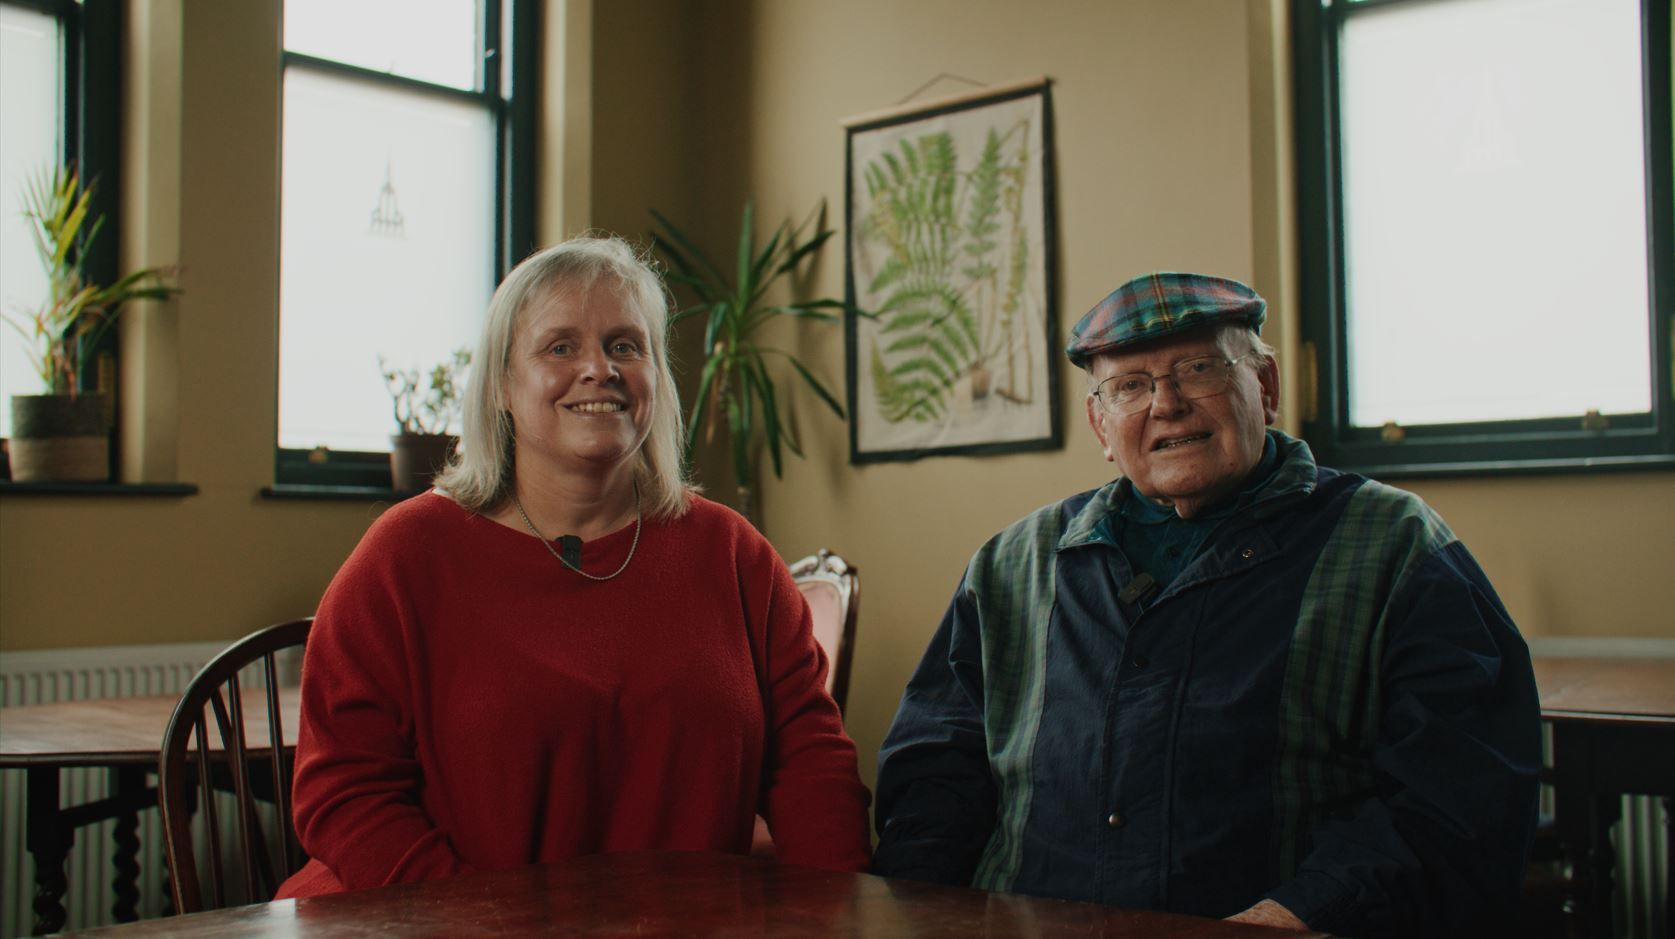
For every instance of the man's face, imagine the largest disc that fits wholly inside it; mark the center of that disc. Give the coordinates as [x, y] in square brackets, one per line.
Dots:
[1190, 452]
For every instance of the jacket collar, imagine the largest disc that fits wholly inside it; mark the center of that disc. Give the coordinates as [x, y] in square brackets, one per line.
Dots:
[1294, 478]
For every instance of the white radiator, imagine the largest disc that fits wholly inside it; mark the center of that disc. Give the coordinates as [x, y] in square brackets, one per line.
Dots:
[43, 677]
[1641, 874]
[1642, 907]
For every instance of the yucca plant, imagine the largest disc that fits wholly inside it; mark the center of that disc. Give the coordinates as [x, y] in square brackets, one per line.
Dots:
[76, 313]
[736, 384]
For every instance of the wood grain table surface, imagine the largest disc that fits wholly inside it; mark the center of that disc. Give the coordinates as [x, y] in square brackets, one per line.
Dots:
[117, 731]
[123, 736]
[1613, 734]
[655, 894]
[1606, 688]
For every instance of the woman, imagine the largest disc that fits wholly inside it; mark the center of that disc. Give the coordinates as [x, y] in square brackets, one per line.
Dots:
[562, 649]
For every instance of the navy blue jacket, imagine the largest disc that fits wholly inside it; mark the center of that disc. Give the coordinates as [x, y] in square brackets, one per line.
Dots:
[1328, 707]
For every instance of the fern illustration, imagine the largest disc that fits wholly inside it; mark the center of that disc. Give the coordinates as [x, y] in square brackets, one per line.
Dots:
[927, 326]
[948, 236]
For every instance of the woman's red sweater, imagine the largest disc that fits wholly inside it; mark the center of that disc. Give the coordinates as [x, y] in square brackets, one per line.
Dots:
[470, 703]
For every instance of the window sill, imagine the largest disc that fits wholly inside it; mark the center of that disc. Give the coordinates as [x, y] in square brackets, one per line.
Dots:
[297, 491]
[1547, 467]
[13, 488]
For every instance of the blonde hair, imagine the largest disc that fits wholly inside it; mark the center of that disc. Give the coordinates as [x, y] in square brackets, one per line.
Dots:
[480, 476]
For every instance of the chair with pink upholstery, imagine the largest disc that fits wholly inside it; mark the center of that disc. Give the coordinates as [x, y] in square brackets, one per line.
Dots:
[833, 590]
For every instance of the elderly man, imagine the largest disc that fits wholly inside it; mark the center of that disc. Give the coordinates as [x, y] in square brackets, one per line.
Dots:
[1231, 682]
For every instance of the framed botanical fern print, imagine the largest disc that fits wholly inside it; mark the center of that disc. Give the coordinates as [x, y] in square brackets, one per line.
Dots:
[950, 252]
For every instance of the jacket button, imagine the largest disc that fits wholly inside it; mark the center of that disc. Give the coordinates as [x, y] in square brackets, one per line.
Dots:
[1248, 553]
[1114, 820]
[1141, 661]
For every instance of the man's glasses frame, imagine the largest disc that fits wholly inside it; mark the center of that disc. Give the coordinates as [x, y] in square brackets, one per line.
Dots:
[1198, 376]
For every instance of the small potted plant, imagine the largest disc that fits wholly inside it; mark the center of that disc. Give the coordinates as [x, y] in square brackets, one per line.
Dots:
[425, 409]
[64, 433]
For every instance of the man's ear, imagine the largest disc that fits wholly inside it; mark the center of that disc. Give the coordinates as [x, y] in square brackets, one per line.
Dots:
[1098, 427]
[1268, 373]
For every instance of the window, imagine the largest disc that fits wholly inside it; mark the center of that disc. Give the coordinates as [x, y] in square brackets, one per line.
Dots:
[406, 178]
[71, 49]
[1484, 192]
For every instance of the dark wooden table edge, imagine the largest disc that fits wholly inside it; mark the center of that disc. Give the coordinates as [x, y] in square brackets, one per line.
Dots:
[250, 921]
[1649, 721]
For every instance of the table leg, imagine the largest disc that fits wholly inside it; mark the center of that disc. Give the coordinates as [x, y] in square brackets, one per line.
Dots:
[1583, 820]
[1604, 813]
[128, 781]
[48, 841]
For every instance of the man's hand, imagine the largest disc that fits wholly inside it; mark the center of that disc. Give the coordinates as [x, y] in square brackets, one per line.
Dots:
[1269, 913]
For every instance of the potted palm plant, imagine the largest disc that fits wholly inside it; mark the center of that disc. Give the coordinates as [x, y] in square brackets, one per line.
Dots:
[736, 386]
[425, 407]
[63, 434]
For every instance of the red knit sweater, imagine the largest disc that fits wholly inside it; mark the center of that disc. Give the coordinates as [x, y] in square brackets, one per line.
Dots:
[468, 702]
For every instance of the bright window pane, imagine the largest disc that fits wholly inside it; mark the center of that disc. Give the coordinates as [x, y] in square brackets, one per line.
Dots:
[29, 64]
[431, 40]
[1494, 210]
[386, 245]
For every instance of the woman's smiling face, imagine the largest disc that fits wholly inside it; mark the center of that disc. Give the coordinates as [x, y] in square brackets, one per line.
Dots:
[580, 381]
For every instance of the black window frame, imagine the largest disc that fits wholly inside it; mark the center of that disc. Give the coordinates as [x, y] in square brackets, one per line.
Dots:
[91, 35]
[1645, 441]
[324, 471]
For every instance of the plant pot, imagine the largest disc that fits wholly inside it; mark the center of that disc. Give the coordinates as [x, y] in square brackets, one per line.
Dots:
[415, 459]
[61, 438]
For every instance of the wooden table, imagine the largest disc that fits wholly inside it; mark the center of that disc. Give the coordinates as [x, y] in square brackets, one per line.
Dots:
[670, 894]
[1613, 724]
[122, 735]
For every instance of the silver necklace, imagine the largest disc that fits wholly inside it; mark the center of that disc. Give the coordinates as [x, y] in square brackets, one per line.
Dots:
[549, 545]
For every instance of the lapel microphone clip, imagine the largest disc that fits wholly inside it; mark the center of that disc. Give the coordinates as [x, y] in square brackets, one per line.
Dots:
[570, 548]
[1141, 589]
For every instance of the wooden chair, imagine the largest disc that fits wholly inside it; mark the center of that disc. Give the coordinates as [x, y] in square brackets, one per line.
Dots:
[833, 591]
[194, 760]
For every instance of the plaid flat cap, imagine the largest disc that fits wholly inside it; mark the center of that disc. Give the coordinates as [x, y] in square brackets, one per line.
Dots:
[1160, 304]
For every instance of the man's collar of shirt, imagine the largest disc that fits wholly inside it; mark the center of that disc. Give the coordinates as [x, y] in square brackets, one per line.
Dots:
[1292, 474]
[1161, 543]
[1139, 509]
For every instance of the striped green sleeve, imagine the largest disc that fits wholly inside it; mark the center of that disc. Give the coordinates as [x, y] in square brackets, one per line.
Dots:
[1331, 691]
[1012, 577]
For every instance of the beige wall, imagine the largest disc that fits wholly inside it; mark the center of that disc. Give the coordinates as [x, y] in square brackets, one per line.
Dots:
[202, 187]
[1170, 153]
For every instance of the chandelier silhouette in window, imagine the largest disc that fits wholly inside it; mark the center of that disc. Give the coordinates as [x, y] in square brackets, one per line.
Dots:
[387, 219]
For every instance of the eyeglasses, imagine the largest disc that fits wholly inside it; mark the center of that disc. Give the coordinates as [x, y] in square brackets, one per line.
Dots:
[1201, 376]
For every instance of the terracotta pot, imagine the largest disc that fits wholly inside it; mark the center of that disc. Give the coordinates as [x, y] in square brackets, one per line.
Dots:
[415, 459]
[61, 438]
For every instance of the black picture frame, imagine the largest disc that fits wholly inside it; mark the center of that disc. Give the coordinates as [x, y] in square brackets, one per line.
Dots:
[951, 249]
